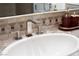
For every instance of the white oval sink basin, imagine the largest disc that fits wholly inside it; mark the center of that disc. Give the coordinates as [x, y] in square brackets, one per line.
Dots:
[56, 44]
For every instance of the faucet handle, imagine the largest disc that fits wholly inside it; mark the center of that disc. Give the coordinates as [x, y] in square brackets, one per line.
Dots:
[17, 37]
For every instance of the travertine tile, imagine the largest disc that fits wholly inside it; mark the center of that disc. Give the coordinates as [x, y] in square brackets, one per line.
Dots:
[19, 24]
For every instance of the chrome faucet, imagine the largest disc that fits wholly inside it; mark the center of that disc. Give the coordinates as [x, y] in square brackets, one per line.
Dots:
[17, 33]
[27, 34]
[31, 21]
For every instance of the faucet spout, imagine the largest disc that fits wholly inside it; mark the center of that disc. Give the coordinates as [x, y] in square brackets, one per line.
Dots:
[31, 21]
[29, 27]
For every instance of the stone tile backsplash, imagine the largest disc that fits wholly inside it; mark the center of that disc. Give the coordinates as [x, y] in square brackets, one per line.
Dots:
[45, 21]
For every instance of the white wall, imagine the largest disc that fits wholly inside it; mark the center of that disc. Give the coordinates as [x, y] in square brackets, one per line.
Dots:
[72, 6]
[60, 6]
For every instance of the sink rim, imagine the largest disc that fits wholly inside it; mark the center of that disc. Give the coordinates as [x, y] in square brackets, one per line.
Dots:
[5, 51]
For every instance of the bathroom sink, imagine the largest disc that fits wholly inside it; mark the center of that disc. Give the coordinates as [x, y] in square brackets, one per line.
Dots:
[51, 44]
